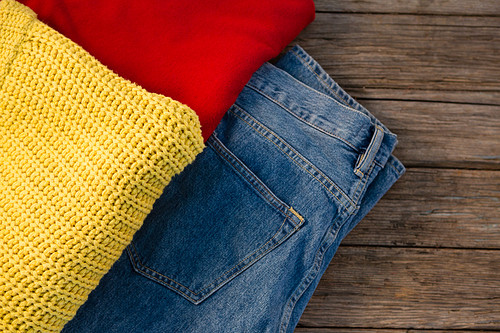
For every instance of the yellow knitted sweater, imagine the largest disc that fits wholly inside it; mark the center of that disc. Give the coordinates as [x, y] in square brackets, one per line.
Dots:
[83, 156]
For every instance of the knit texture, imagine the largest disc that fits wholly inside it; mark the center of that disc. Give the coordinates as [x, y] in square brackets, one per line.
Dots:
[201, 53]
[83, 156]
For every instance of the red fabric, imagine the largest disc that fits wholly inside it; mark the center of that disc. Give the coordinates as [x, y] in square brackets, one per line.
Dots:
[198, 52]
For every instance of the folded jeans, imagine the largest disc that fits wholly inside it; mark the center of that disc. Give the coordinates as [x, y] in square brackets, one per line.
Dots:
[239, 240]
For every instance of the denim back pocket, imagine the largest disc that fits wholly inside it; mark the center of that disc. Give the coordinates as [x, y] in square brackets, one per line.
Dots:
[213, 221]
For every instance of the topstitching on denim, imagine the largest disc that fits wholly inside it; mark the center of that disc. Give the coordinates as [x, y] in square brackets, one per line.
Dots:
[323, 77]
[314, 91]
[353, 127]
[327, 82]
[328, 240]
[247, 174]
[318, 96]
[367, 158]
[296, 157]
[261, 152]
[304, 120]
[268, 82]
[291, 223]
[399, 171]
[372, 153]
[319, 77]
[201, 295]
[359, 191]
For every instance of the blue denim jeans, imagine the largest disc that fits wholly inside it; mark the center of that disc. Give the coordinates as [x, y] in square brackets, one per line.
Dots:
[239, 240]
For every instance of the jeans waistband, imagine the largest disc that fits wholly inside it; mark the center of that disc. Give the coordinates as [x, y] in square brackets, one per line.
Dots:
[357, 128]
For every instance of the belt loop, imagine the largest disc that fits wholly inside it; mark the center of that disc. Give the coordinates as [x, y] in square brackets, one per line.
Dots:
[366, 159]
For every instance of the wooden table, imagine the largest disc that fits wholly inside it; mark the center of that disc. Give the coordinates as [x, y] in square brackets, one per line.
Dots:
[427, 257]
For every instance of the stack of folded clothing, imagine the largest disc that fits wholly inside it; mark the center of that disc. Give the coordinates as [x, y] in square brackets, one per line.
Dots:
[200, 53]
[84, 155]
[240, 237]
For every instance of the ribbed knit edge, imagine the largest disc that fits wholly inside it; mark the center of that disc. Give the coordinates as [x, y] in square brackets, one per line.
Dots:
[152, 138]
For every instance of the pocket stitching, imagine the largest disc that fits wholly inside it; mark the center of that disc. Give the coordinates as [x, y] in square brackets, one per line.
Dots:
[138, 265]
[242, 170]
[309, 165]
[217, 145]
[313, 272]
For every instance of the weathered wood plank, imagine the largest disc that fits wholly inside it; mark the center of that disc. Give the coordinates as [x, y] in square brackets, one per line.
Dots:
[466, 97]
[399, 66]
[448, 331]
[442, 135]
[435, 208]
[369, 330]
[409, 57]
[445, 7]
[346, 330]
[375, 287]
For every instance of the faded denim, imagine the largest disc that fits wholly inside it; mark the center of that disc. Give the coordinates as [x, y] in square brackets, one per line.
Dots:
[239, 240]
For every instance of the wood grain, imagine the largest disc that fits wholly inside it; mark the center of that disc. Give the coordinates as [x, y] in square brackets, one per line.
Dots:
[409, 57]
[390, 63]
[446, 7]
[376, 287]
[346, 330]
[369, 330]
[427, 257]
[442, 135]
[435, 208]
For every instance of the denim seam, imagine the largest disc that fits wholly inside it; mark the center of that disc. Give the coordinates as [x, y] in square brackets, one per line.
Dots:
[217, 145]
[319, 77]
[359, 173]
[220, 146]
[294, 212]
[307, 63]
[320, 73]
[302, 119]
[298, 155]
[363, 159]
[395, 169]
[306, 282]
[140, 264]
[329, 97]
[363, 181]
[136, 266]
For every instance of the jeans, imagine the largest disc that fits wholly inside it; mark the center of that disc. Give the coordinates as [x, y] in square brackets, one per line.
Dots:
[239, 240]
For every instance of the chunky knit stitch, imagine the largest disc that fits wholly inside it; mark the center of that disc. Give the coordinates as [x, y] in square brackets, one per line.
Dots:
[83, 156]
[166, 45]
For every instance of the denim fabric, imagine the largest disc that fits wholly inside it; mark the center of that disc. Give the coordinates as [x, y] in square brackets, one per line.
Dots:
[240, 239]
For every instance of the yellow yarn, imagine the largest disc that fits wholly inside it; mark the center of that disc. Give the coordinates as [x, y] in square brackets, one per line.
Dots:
[83, 156]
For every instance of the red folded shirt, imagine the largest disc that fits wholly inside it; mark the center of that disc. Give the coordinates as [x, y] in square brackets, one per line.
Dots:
[201, 53]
